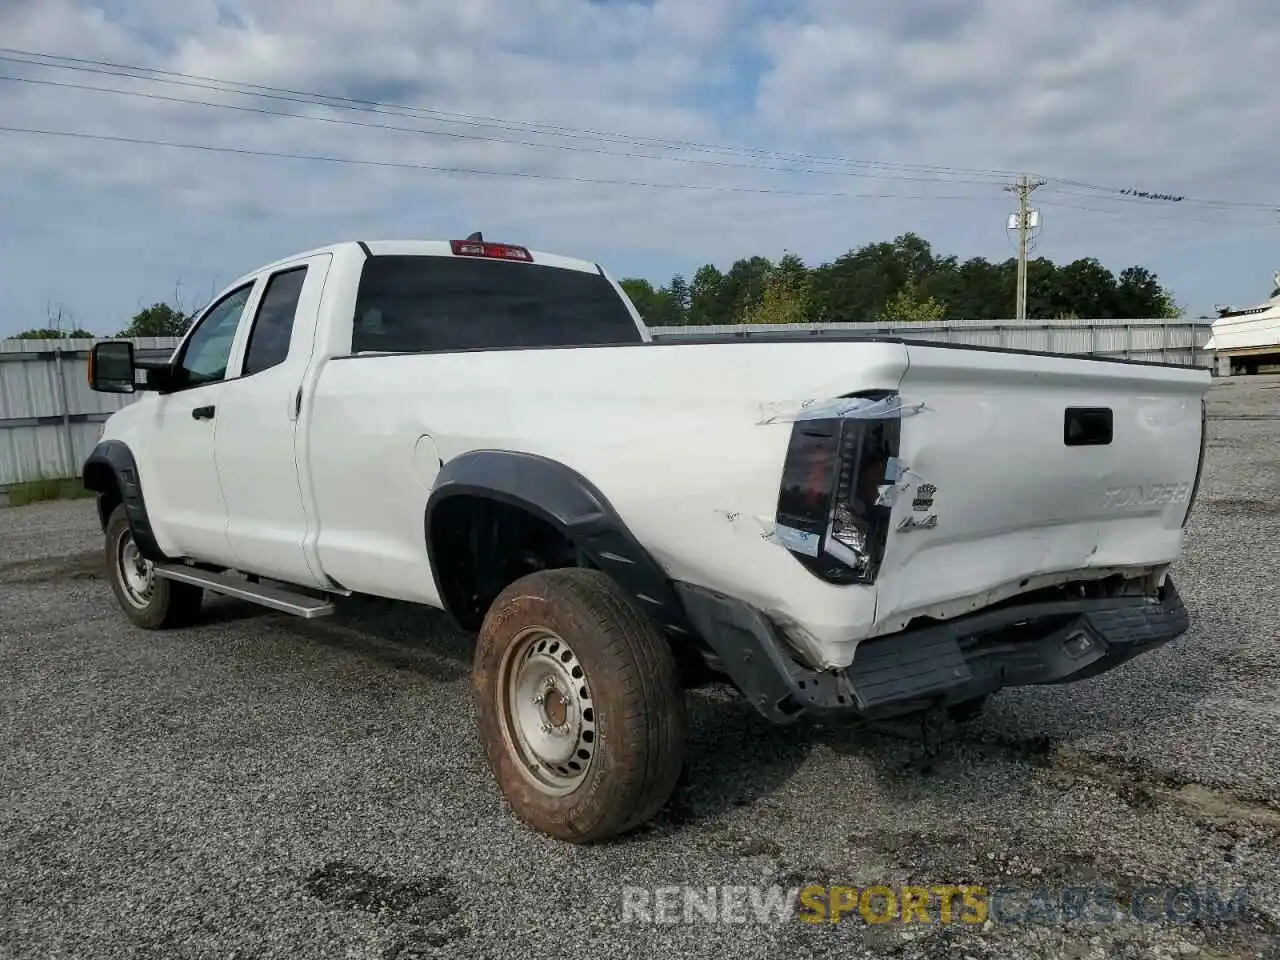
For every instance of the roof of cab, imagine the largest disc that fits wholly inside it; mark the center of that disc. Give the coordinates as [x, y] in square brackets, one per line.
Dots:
[427, 248]
[419, 248]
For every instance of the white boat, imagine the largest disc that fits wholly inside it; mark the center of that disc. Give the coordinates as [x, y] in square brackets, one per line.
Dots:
[1248, 332]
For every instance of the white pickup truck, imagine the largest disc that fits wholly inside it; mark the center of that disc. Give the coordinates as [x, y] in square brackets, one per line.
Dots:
[866, 526]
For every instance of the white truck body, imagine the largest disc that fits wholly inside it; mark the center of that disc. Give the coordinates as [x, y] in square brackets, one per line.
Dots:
[316, 470]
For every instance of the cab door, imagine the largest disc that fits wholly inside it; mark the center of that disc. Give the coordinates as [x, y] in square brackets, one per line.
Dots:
[257, 441]
[177, 471]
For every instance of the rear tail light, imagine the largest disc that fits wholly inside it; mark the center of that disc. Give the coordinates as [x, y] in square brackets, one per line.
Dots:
[1204, 438]
[491, 251]
[828, 513]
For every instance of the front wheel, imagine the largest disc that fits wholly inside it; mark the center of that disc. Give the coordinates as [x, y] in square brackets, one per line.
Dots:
[149, 601]
[581, 708]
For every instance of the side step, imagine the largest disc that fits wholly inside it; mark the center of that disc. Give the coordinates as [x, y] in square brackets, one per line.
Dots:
[274, 597]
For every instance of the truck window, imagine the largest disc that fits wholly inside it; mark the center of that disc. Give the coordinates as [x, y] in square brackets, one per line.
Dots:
[206, 352]
[425, 304]
[273, 326]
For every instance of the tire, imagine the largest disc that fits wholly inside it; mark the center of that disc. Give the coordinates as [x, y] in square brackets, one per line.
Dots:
[150, 602]
[568, 647]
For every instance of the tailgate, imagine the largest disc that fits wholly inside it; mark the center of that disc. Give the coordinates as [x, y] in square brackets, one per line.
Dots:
[1024, 465]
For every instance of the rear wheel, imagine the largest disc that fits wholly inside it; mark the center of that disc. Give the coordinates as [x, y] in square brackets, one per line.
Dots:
[580, 704]
[149, 601]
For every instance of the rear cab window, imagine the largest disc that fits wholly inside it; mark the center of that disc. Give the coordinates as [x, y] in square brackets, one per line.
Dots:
[436, 304]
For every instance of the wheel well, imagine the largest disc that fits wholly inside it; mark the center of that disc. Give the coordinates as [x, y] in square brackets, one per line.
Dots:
[100, 478]
[479, 546]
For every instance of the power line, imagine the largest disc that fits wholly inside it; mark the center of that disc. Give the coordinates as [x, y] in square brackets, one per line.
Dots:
[1132, 195]
[476, 171]
[262, 111]
[944, 174]
[1113, 212]
[376, 106]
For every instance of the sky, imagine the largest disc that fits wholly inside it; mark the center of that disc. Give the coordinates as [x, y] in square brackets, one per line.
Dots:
[650, 136]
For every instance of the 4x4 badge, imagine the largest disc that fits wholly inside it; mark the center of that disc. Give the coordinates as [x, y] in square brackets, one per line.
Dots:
[924, 497]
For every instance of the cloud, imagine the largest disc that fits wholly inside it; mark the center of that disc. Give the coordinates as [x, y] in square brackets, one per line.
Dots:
[1162, 96]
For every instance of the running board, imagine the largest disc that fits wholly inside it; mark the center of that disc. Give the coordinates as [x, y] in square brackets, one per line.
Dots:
[274, 597]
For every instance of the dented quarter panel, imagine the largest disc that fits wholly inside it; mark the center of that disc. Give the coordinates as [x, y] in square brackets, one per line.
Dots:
[678, 437]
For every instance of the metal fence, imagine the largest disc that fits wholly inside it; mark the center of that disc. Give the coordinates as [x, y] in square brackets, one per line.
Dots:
[1179, 342]
[49, 418]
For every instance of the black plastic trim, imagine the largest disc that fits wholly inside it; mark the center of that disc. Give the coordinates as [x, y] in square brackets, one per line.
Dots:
[365, 247]
[947, 662]
[568, 501]
[1204, 445]
[116, 457]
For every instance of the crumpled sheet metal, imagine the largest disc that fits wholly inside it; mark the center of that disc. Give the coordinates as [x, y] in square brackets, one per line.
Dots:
[839, 408]
[899, 481]
[768, 529]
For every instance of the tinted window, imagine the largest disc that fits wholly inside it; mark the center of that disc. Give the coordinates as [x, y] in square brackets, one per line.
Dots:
[206, 352]
[273, 326]
[423, 304]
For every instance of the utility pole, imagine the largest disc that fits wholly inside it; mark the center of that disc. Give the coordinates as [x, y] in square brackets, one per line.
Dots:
[1022, 220]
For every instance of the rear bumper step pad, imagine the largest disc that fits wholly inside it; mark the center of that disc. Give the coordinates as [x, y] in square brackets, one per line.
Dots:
[945, 663]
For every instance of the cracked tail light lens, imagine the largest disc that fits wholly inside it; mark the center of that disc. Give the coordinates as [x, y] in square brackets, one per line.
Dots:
[828, 515]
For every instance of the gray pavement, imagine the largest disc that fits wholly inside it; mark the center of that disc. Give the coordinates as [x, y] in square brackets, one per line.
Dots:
[259, 786]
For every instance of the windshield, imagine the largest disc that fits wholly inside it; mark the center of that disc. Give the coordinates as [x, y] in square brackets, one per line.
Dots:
[421, 304]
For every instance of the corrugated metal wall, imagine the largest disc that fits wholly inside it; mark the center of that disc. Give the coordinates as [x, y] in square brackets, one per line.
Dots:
[1151, 340]
[49, 418]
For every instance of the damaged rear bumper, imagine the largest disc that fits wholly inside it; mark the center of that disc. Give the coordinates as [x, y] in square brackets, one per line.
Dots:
[949, 662]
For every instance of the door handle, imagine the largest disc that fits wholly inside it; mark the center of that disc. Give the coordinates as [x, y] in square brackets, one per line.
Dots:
[203, 413]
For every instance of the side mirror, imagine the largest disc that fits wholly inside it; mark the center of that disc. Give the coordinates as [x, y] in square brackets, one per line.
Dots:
[111, 367]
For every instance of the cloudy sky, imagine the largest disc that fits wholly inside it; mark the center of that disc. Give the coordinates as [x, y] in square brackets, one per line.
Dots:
[650, 135]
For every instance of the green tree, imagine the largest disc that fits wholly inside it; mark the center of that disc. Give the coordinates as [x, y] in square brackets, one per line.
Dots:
[157, 320]
[905, 278]
[908, 306]
[641, 293]
[658, 308]
[1139, 295]
[704, 297]
[59, 325]
[857, 285]
[786, 294]
[49, 333]
[678, 290]
[742, 289]
[1083, 287]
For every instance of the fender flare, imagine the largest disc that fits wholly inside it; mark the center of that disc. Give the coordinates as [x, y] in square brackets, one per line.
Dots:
[110, 470]
[571, 503]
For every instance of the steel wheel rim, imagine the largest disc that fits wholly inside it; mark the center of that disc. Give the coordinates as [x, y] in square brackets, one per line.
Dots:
[134, 571]
[548, 719]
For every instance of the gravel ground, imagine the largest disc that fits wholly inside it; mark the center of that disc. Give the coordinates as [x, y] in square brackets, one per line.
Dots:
[259, 786]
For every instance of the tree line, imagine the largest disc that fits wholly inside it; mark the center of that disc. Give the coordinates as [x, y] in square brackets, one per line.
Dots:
[898, 281]
[157, 320]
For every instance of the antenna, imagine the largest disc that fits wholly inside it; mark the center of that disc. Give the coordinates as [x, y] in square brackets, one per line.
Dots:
[475, 238]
